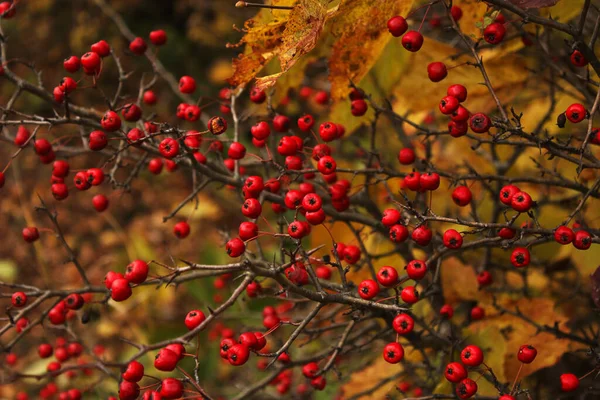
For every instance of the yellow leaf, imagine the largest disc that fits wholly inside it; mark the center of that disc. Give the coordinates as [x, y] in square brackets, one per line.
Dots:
[361, 32]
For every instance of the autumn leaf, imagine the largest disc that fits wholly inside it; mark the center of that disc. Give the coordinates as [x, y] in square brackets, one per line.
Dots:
[351, 58]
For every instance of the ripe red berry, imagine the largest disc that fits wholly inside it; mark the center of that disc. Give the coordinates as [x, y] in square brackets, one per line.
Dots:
[462, 196]
[134, 372]
[521, 202]
[447, 311]
[412, 41]
[563, 235]
[527, 354]
[494, 33]
[460, 114]
[520, 257]
[328, 131]
[452, 239]
[577, 59]
[393, 353]
[409, 295]
[456, 13]
[583, 240]
[477, 313]
[257, 95]
[359, 107]
[236, 151]
[318, 383]
[457, 128]
[187, 84]
[166, 360]
[158, 37]
[30, 234]
[351, 254]
[437, 71]
[471, 356]
[455, 372]
[322, 97]
[397, 26]
[59, 191]
[403, 324]
[412, 181]
[312, 202]
[120, 289]
[111, 121]
[569, 382]
[416, 269]
[466, 388]
[193, 319]
[406, 156]
[238, 354]
[368, 289]
[74, 301]
[128, 390]
[391, 217]
[137, 271]
[82, 180]
[448, 105]
[429, 181]
[310, 370]
[387, 276]
[480, 123]
[138, 46]
[181, 229]
[248, 230]
[326, 165]
[45, 350]
[576, 113]
[457, 91]
[91, 62]
[422, 235]
[507, 193]
[281, 123]
[171, 388]
[18, 299]
[235, 247]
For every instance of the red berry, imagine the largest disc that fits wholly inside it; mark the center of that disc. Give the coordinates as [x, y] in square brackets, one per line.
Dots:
[91, 62]
[437, 71]
[187, 84]
[281, 123]
[131, 112]
[261, 130]
[326, 165]
[166, 360]
[306, 122]
[406, 156]
[494, 33]
[310, 370]
[457, 128]
[137, 271]
[466, 388]
[18, 299]
[452, 239]
[422, 235]
[312, 202]
[521, 202]
[111, 121]
[120, 289]
[248, 230]
[462, 196]
[477, 313]
[577, 59]
[181, 230]
[257, 95]
[447, 311]
[134, 372]
[583, 240]
[45, 350]
[368, 289]
[480, 123]
[30, 234]
[429, 181]
[471, 356]
[387, 276]
[416, 269]
[238, 354]
[563, 235]
[527, 354]
[320, 150]
[328, 131]
[397, 26]
[72, 64]
[322, 97]
[138, 46]
[171, 388]
[235, 247]
[448, 105]
[318, 383]
[391, 217]
[351, 254]
[403, 324]
[520, 257]
[393, 353]
[412, 41]
[60, 191]
[158, 37]
[569, 382]
[507, 193]
[576, 113]
[358, 107]
[409, 295]
[484, 278]
[456, 13]
[455, 372]
[507, 233]
[460, 114]
[128, 390]
[458, 91]
[149, 97]
[193, 319]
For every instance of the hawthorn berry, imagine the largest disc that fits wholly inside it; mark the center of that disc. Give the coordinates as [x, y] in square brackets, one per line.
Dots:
[166, 360]
[520, 257]
[452, 239]
[59, 191]
[134, 372]
[158, 37]
[576, 113]
[429, 181]
[480, 123]
[412, 41]
[298, 229]
[238, 354]
[460, 114]
[91, 62]
[569, 382]
[391, 217]
[437, 71]
[316, 217]
[235, 247]
[577, 59]
[466, 388]
[128, 390]
[471, 356]
[359, 107]
[397, 26]
[455, 372]
[462, 196]
[321, 97]
[422, 235]
[416, 269]
[521, 202]
[138, 46]
[456, 13]
[72, 64]
[102, 48]
[318, 383]
[193, 319]
[403, 324]
[412, 181]
[351, 254]
[368, 289]
[82, 180]
[527, 354]
[457, 128]
[171, 388]
[30, 234]
[447, 311]
[409, 295]
[136, 272]
[406, 156]
[181, 229]
[248, 230]
[507, 233]
[257, 95]
[563, 235]
[111, 121]
[393, 353]
[448, 105]
[131, 112]
[494, 33]
[477, 313]
[45, 350]
[387, 276]
[457, 91]
[582, 240]
[310, 370]
[120, 289]
[18, 299]
[326, 165]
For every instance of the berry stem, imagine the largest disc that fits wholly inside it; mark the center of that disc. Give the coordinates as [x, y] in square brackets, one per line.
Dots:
[516, 379]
